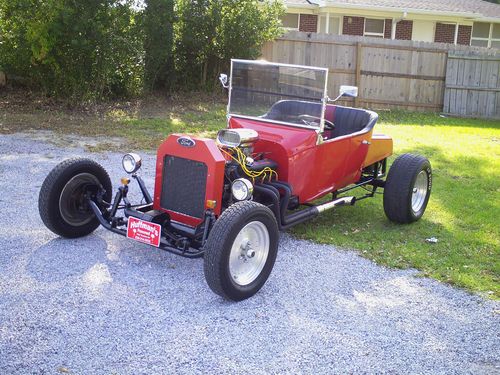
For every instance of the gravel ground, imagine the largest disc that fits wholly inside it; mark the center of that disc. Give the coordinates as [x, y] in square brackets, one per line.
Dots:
[106, 305]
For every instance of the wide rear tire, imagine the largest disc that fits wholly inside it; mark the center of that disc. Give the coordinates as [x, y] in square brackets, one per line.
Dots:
[241, 250]
[407, 188]
[62, 202]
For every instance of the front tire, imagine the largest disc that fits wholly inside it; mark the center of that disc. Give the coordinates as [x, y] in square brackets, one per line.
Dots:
[407, 188]
[241, 250]
[62, 202]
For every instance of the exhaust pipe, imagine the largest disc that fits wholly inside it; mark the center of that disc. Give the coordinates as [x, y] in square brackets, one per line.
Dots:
[344, 201]
[311, 212]
[290, 220]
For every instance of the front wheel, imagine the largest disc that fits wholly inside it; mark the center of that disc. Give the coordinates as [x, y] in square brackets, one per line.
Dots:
[241, 250]
[407, 188]
[62, 202]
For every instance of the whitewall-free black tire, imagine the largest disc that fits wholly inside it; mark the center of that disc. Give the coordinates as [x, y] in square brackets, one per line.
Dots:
[407, 188]
[241, 250]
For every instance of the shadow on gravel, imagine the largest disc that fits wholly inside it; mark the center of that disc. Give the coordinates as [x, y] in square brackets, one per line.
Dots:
[61, 258]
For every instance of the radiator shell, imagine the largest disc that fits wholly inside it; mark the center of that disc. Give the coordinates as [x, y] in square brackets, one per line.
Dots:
[179, 178]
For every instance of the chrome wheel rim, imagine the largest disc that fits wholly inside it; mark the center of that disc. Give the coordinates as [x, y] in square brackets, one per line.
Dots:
[419, 191]
[73, 205]
[249, 253]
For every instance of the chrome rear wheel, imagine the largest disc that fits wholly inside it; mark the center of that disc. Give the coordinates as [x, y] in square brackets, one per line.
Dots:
[420, 191]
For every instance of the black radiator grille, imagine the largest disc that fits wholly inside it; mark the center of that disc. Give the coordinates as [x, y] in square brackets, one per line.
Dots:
[184, 185]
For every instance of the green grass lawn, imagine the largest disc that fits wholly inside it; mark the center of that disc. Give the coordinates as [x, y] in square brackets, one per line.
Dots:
[463, 212]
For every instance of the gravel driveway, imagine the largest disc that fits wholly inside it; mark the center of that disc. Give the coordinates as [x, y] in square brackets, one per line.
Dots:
[106, 305]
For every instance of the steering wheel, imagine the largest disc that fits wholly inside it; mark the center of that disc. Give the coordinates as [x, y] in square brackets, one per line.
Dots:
[314, 121]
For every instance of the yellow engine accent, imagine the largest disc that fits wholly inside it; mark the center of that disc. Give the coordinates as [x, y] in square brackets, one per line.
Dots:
[238, 156]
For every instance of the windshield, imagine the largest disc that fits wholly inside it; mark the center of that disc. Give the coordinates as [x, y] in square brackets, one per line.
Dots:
[293, 95]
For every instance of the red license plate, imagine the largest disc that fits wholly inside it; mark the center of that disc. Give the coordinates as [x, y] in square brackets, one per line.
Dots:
[144, 231]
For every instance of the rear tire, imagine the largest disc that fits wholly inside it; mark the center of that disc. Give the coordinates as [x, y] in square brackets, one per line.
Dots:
[241, 250]
[62, 204]
[407, 188]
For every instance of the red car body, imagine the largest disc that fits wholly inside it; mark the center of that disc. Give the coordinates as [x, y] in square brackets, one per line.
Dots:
[313, 169]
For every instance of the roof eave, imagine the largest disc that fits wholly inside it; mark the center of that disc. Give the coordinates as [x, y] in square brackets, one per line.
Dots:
[302, 6]
[487, 19]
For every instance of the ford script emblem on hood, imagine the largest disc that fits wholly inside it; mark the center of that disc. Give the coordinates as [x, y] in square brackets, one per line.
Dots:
[186, 142]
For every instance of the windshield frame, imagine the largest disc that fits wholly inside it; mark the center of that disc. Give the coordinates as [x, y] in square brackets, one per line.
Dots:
[324, 99]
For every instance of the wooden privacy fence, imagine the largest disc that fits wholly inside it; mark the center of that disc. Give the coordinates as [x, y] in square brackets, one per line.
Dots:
[472, 86]
[389, 73]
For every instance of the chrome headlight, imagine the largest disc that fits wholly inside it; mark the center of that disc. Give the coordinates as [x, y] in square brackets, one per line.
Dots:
[242, 189]
[131, 162]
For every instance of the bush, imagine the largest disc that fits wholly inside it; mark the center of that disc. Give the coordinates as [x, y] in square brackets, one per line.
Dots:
[80, 50]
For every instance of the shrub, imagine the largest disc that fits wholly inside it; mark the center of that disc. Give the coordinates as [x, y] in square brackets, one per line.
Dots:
[80, 50]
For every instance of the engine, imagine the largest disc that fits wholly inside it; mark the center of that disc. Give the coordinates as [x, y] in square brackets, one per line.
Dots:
[244, 167]
[239, 145]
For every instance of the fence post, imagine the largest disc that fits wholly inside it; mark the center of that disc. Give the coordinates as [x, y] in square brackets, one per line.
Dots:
[359, 57]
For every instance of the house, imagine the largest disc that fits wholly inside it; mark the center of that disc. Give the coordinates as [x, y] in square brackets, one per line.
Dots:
[466, 22]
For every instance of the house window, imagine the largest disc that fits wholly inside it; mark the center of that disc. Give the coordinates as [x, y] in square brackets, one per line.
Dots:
[374, 27]
[290, 21]
[495, 35]
[486, 35]
[333, 25]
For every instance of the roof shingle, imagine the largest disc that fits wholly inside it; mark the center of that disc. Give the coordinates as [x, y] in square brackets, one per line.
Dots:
[478, 7]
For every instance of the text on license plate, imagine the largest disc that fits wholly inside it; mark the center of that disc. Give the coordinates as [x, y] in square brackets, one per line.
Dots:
[144, 231]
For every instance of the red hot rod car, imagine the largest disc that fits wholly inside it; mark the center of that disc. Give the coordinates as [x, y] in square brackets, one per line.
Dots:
[285, 146]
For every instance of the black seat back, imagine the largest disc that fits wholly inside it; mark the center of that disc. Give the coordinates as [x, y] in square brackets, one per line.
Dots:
[352, 120]
[347, 120]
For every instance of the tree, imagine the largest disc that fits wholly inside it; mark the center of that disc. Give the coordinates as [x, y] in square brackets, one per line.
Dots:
[158, 27]
[208, 33]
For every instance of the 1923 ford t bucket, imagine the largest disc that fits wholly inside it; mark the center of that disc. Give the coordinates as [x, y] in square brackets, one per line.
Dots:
[285, 146]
